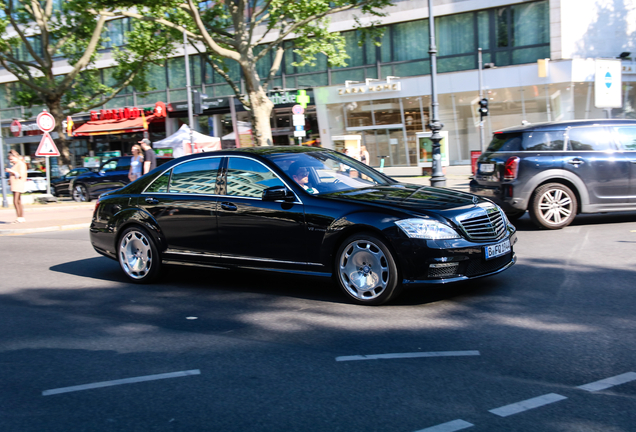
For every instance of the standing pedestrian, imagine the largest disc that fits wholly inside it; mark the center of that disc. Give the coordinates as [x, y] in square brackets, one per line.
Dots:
[364, 155]
[136, 163]
[17, 180]
[150, 158]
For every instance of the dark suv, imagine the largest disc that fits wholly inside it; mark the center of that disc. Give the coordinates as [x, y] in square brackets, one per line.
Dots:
[113, 174]
[557, 170]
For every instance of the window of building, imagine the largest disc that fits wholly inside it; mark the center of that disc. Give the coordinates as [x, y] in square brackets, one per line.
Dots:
[115, 32]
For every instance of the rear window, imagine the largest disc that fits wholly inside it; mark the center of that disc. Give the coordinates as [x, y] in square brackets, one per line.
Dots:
[527, 141]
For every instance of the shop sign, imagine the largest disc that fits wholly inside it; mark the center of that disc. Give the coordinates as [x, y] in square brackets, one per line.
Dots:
[16, 128]
[370, 87]
[300, 97]
[209, 102]
[128, 113]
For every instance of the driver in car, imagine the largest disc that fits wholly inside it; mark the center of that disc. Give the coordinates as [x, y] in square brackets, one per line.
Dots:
[300, 174]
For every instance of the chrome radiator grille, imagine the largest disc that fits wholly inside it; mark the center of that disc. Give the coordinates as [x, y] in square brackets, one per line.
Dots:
[485, 224]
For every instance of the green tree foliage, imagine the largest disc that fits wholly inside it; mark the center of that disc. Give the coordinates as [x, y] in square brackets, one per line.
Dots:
[245, 31]
[42, 36]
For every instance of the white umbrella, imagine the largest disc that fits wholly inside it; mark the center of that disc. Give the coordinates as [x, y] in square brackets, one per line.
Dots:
[179, 142]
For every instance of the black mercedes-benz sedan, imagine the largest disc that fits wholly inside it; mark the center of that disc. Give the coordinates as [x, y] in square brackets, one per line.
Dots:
[301, 210]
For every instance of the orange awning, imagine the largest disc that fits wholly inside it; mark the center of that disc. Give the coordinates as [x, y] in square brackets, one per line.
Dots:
[112, 127]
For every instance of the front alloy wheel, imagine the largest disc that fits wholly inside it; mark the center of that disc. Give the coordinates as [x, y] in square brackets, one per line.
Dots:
[80, 194]
[366, 270]
[553, 206]
[138, 255]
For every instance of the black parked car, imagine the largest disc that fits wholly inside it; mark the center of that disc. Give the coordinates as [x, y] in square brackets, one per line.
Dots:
[61, 186]
[242, 208]
[113, 174]
[557, 170]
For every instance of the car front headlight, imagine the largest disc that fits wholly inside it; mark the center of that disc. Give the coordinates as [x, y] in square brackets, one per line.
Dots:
[427, 229]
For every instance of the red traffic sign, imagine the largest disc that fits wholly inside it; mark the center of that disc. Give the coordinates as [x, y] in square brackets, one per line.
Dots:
[16, 127]
[47, 146]
[297, 109]
[45, 121]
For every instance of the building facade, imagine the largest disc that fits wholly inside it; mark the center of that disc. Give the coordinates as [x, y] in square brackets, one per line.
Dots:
[383, 95]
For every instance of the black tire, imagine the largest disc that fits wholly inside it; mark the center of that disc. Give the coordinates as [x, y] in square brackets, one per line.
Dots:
[80, 193]
[513, 216]
[365, 270]
[553, 206]
[138, 255]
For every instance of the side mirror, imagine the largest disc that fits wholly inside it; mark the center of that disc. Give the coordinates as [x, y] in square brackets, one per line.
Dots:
[278, 193]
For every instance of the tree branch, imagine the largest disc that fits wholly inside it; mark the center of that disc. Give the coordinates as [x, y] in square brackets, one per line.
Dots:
[209, 41]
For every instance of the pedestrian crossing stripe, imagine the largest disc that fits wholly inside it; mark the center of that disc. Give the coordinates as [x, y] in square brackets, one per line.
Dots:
[47, 146]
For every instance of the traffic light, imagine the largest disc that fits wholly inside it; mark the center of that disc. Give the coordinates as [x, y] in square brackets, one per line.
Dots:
[483, 108]
[197, 108]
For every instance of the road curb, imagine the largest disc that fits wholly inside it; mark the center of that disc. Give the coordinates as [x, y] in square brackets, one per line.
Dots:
[20, 231]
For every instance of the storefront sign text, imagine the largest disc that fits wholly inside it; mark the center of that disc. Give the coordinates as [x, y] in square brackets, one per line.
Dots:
[300, 97]
[370, 88]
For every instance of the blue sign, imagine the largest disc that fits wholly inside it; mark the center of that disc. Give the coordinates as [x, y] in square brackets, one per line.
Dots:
[300, 127]
[608, 80]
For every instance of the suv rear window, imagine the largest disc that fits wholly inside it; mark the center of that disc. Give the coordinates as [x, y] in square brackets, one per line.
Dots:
[527, 141]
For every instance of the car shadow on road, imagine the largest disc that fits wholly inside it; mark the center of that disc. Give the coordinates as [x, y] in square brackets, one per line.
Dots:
[525, 224]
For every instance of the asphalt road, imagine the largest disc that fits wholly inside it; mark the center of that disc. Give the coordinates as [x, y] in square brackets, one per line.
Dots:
[545, 346]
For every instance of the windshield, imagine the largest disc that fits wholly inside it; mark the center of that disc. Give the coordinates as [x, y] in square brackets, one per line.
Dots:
[325, 172]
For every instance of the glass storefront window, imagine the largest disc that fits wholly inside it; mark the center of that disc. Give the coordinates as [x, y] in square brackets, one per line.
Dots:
[313, 80]
[339, 77]
[483, 27]
[422, 67]
[452, 36]
[387, 112]
[359, 113]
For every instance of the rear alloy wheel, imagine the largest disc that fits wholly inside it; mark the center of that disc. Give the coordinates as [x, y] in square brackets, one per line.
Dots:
[553, 206]
[366, 270]
[80, 194]
[138, 255]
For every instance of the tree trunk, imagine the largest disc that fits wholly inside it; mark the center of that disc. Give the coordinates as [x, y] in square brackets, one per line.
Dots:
[261, 107]
[55, 108]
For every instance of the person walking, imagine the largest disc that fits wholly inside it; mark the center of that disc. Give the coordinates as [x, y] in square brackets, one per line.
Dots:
[136, 163]
[17, 180]
[364, 155]
[150, 158]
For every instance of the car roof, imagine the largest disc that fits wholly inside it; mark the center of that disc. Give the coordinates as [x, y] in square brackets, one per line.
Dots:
[562, 125]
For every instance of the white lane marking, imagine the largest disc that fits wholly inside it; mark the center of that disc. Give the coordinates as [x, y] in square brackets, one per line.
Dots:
[528, 404]
[609, 382]
[121, 381]
[450, 426]
[408, 355]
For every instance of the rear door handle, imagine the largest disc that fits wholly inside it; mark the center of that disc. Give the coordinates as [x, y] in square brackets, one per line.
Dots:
[576, 161]
[152, 200]
[228, 206]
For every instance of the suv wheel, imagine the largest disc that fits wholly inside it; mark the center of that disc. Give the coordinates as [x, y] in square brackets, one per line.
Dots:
[80, 194]
[553, 206]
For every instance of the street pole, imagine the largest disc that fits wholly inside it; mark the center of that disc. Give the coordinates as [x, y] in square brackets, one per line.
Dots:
[187, 71]
[437, 178]
[4, 180]
[482, 138]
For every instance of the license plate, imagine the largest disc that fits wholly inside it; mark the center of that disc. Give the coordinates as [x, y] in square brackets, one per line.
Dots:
[486, 168]
[499, 249]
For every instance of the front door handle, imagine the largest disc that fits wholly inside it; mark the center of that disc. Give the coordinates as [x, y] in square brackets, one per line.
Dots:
[576, 161]
[152, 201]
[228, 206]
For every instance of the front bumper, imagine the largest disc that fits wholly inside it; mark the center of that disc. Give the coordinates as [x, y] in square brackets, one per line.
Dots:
[448, 261]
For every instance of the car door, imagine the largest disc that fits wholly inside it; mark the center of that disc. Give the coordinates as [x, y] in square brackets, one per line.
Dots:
[255, 231]
[592, 155]
[183, 201]
[625, 137]
[112, 175]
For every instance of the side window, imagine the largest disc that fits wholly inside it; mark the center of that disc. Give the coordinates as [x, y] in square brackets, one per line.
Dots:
[110, 166]
[249, 178]
[543, 140]
[626, 137]
[160, 185]
[123, 164]
[505, 142]
[589, 139]
[195, 177]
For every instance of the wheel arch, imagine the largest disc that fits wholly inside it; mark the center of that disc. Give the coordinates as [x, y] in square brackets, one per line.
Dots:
[567, 183]
[137, 217]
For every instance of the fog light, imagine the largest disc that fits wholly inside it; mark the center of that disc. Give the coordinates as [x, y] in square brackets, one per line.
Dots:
[438, 270]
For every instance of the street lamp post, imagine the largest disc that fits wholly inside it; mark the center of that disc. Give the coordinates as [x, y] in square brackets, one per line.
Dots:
[188, 90]
[482, 139]
[437, 178]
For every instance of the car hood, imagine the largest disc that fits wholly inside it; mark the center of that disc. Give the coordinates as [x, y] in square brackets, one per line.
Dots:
[412, 198]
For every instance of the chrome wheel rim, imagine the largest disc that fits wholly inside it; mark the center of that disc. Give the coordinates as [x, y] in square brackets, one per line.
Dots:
[364, 270]
[135, 254]
[79, 193]
[555, 206]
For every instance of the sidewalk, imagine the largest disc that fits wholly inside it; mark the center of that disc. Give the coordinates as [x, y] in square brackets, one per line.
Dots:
[67, 214]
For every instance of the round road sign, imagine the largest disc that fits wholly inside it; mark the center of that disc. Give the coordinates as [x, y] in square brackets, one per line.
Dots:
[45, 121]
[297, 109]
